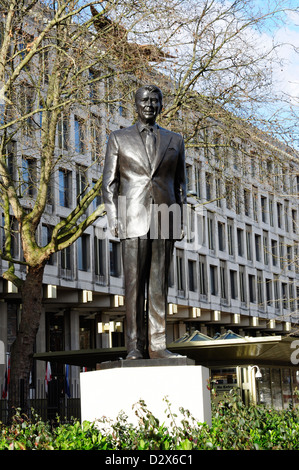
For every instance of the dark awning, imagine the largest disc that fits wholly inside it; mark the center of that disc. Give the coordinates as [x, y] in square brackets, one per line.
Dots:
[268, 350]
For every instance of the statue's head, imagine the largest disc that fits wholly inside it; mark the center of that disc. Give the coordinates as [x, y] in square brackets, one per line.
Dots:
[149, 103]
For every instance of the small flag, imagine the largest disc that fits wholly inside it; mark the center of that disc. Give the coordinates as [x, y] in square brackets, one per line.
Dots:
[48, 376]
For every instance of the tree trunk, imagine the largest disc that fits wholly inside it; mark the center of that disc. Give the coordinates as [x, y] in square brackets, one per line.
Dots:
[23, 347]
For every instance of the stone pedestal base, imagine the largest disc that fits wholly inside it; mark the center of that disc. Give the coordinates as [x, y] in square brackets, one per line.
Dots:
[119, 385]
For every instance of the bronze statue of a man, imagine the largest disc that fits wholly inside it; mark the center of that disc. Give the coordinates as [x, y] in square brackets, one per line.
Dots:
[144, 189]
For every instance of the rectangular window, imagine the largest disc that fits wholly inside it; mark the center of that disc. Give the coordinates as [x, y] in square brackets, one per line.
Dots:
[274, 252]
[264, 208]
[211, 231]
[208, 187]
[248, 242]
[202, 275]
[268, 291]
[63, 132]
[265, 248]
[192, 275]
[83, 252]
[260, 291]
[221, 236]
[79, 135]
[279, 214]
[65, 257]
[247, 202]
[240, 235]
[65, 188]
[233, 284]
[242, 283]
[255, 204]
[252, 288]
[213, 280]
[223, 280]
[276, 292]
[99, 267]
[29, 177]
[271, 215]
[96, 138]
[230, 236]
[284, 292]
[81, 182]
[114, 256]
[258, 246]
[180, 271]
[46, 238]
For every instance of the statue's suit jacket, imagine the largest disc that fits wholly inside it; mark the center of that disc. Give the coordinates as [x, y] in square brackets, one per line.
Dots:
[128, 173]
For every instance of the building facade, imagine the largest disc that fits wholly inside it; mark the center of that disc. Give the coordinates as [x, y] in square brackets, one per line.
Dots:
[236, 269]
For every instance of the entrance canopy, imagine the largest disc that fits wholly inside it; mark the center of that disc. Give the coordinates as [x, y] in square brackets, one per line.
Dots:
[227, 350]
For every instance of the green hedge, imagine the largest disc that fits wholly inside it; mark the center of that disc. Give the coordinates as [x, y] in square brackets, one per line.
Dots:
[234, 427]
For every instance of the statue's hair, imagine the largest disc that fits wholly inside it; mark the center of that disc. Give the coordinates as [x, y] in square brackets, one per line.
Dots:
[151, 88]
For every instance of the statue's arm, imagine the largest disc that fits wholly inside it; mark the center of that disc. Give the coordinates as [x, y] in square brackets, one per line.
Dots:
[111, 182]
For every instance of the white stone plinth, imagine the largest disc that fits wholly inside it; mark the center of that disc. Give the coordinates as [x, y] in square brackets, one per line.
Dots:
[108, 392]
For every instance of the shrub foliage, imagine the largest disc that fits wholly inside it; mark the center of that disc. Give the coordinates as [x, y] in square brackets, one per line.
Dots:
[234, 427]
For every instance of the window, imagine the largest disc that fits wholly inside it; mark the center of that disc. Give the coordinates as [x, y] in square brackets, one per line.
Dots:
[289, 257]
[265, 248]
[99, 267]
[294, 220]
[114, 258]
[96, 138]
[238, 196]
[83, 252]
[221, 236]
[29, 177]
[286, 216]
[65, 257]
[284, 292]
[223, 281]
[63, 132]
[65, 188]
[242, 283]
[252, 288]
[197, 171]
[81, 182]
[240, 241]
[46, 238]
[279, 214]
[276, 292]
[258, 246]
[247, 202]
[230, 236]
[248, 242]
[79, 135]
[180, 270]
[255, 204]
[192, 275]
[213, 280]
[218, 190]
[208, 187]
[260, 292]
[211, 231]
[264, 208]
[233, 284]
[202, 275]
[274, 252]
[271, 215]
[281, 253]
[268, 291]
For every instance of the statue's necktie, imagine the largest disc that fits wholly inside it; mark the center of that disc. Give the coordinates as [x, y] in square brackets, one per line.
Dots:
[150, 144]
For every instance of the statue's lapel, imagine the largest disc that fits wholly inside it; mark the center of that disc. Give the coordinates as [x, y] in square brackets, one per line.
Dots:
[163, 141]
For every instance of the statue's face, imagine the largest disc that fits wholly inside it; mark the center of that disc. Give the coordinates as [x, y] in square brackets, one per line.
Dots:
[148, 106]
